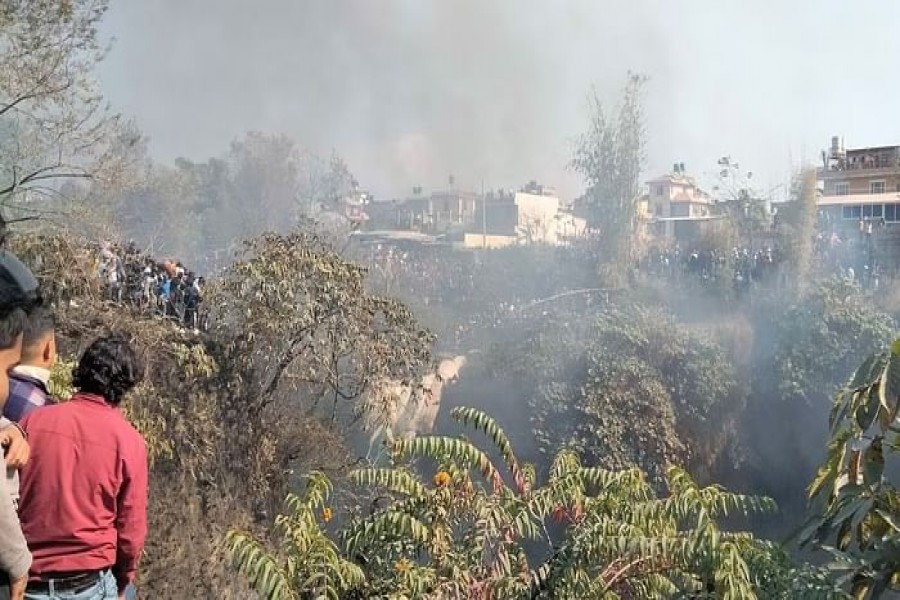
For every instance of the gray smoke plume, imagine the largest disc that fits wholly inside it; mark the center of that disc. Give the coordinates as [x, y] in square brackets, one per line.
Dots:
[409, 92]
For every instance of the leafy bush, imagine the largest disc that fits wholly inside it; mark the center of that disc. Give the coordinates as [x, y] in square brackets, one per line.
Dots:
[625, 387]
[463, 533]
[228, 415]
[857, 505]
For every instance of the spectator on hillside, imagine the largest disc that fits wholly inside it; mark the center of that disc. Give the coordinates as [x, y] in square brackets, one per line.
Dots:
[148, 295]
[84, 492]
[18, 296]
[191, 301]
[29, 380]
[115, 274]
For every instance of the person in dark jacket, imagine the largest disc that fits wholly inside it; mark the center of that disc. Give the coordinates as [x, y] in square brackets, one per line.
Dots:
[29, 380]
[19, 295]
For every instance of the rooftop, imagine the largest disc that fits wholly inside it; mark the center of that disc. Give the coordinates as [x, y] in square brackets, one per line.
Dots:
[676, 179]
[872, 149]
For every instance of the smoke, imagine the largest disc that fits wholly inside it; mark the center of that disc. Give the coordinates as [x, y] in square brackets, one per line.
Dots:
[408, 92]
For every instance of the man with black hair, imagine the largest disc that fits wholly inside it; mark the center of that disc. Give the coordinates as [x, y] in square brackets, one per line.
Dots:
[29, 380]
[18, 296]
[84, 491]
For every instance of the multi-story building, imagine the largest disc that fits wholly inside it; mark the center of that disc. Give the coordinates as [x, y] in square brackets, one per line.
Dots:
[859, 199]
[675, 206]
[862, 183]
[531, 215]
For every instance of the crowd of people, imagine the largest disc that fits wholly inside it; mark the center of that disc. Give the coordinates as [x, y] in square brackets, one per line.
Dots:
[742, 266]
[854, 257]
[74, 483]
[161, 288]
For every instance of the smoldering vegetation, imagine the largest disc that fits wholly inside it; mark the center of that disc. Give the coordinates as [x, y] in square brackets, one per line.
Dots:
[673, 370]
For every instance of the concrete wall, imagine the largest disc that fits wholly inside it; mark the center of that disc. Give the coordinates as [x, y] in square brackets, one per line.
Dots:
[569, 226]
[477, 240]
[537, 217]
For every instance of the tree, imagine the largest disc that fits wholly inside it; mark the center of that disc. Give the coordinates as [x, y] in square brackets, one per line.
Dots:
[316, 568]
[610, 157]
[744, 205]
[462, 533]
[297, 316]
[819, 339]
[625, 387]
[796, 227]
[856, 510]
[53, 122]
[199, 212]
[228, 415]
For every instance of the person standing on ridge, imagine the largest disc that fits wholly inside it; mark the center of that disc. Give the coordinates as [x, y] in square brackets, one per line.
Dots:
[84, 491]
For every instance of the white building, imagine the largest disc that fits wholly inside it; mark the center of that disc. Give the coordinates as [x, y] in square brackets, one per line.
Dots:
[676, 205]
[533, 215]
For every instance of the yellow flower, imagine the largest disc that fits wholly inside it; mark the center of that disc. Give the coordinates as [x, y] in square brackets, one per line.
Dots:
[327, 514]
[401, 566]
[441, 478]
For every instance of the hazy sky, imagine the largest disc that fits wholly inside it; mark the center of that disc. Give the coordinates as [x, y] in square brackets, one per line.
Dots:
[409, 91]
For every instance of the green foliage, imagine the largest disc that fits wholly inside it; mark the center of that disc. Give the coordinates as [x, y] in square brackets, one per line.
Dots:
[213, 464]
[820, 338]
[297, 316]
[624, 387]
[856, 506]
[311, 566]
[610, 156]
[464, 533]
[796, 226]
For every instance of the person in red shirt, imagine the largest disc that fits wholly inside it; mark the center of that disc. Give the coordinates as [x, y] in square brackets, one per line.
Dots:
[83, 503]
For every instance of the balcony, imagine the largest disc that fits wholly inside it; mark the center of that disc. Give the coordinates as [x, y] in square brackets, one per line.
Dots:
[886, 198]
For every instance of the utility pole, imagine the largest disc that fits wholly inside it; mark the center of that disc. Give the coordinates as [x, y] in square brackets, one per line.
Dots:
[483, 218]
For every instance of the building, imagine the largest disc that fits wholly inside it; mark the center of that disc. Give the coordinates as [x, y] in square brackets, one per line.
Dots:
[569, 227]
[675, 206]
[353, 208]
[859, 200]
[438, 213]
[532, 215]
[862, 183]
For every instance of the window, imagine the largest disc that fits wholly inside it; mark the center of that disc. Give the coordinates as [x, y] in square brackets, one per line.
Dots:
[867, 211]
[890, 212]
[841, 188]
[660, 190]
[680, 210]
[876, 187]
[877, 210]
[852, 211]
